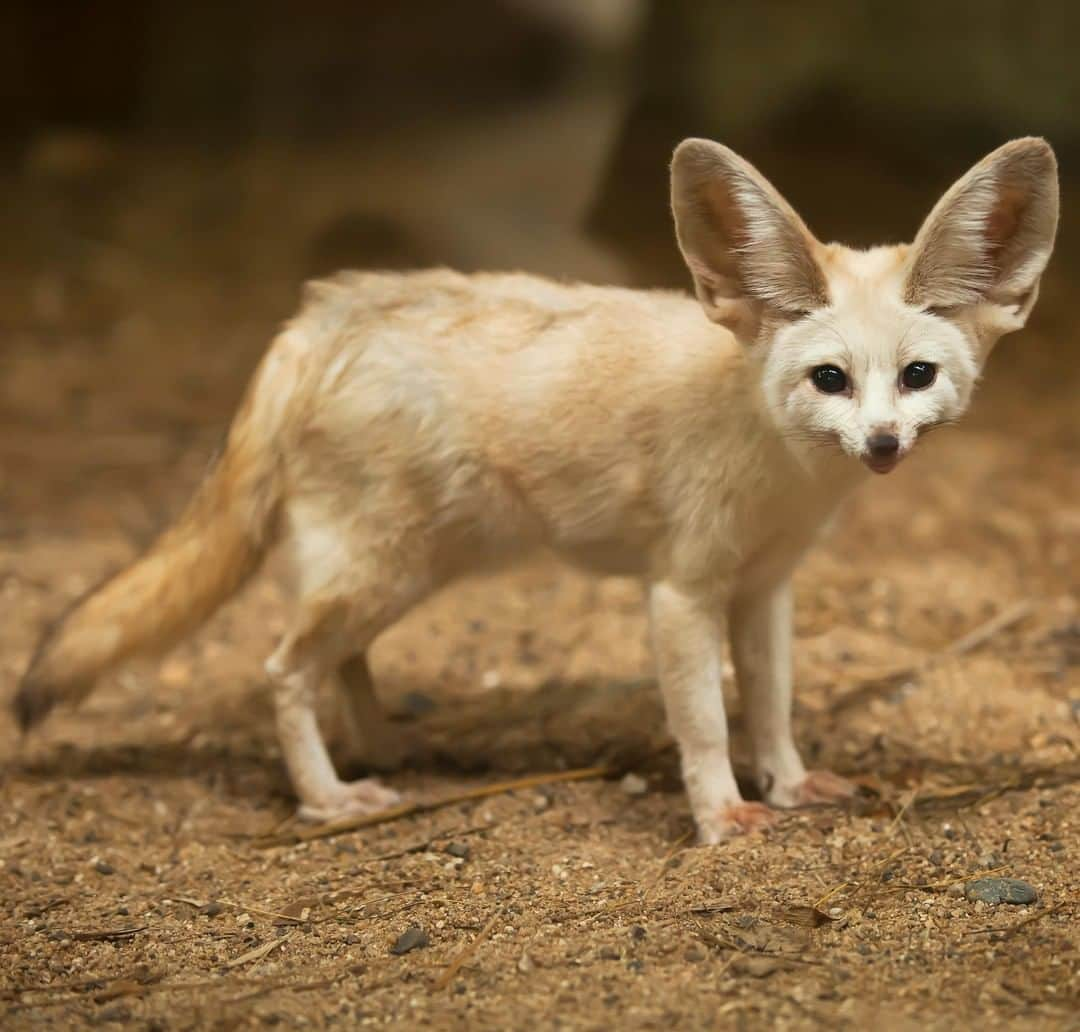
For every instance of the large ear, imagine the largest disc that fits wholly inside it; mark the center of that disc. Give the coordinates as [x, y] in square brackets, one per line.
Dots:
[746, 248]
[990, 236]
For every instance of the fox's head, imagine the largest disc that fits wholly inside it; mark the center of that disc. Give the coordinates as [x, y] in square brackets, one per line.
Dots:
[865, 350]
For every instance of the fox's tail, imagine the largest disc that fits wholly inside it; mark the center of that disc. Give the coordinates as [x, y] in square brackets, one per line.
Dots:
[190, 570]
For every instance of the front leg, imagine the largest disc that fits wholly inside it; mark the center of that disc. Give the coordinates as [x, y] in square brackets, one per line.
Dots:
[688, 643]
[761, 651]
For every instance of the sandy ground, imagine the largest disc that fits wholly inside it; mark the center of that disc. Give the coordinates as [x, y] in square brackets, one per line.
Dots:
[136, 882]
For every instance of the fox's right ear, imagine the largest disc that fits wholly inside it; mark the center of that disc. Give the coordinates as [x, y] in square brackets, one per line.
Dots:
[987, 241]
[744, 245]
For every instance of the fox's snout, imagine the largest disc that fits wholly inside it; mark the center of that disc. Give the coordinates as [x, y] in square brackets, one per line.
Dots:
[882, 453]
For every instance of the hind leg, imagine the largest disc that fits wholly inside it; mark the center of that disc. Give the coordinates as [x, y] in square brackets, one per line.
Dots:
[349, 612]
[297, 668]
[356, 576]
[373, 740]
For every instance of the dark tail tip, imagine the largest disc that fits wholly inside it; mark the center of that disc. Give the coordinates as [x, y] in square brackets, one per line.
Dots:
[32, 703]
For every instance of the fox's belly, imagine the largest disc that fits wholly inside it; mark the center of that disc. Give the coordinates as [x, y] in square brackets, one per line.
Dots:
[598, 516]
[610, 558]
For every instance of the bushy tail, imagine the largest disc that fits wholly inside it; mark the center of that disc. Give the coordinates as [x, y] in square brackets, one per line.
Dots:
[191, 569]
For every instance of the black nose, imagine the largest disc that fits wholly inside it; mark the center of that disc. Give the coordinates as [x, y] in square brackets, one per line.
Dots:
[883, 446]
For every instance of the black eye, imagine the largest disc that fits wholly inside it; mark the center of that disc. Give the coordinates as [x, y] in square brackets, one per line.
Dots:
[918, 375]
[829, 379]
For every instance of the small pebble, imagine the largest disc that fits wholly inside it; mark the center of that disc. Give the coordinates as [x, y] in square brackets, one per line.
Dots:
[416, 704]
[104, 868]
[413, 938]
[458, 849]
[211, 909]
[1000, 890]
[634, 785]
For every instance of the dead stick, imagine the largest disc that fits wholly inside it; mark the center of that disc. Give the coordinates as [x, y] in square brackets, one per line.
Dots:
[822, 900]
[70, 996]
[972, 795]
[937, 886]
[1017, 925]
[464, 953]
[189, 901]
[960, 647]
[296, 987]
[995, 625]
[394, 813]
[900, 813]
[420, 847]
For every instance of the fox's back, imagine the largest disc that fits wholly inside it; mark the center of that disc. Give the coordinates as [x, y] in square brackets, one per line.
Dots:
[518, 402]
[477, 351]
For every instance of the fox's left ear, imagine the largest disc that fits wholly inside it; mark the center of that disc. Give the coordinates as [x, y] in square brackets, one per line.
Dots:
[748, 251]
[988, 239]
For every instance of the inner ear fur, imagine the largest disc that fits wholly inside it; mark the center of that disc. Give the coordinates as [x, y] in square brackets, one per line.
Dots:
[990, 236]
[745, 246]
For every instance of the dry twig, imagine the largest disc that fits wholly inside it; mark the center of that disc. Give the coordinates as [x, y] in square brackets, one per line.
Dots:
[1038, 915]
[107, 934]
[257, 953]
[394, 813]
[245, 908]
[966, 643]
[465, 953]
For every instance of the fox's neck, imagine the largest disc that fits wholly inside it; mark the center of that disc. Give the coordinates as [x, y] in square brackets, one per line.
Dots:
[731, 474]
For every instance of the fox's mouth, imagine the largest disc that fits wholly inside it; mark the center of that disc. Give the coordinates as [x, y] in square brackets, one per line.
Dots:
[881, 463]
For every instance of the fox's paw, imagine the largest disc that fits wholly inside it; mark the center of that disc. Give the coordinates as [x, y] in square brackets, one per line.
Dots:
[819, 787]
[735, 819]
[350, 799]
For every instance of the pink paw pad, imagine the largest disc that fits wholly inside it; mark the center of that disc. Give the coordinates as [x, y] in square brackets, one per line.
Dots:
[822, 786]
[737, 819]
[352, 799]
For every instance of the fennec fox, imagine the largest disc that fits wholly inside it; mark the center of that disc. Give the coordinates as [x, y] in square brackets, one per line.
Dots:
[404, 429]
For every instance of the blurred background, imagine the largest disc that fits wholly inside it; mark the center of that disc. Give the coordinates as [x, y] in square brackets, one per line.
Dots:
[172, 172]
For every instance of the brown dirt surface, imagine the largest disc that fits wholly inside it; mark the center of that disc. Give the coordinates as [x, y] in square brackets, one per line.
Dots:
[136, 886]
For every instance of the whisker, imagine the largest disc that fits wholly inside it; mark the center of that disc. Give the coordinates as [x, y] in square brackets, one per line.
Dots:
[929, 428]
